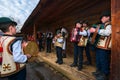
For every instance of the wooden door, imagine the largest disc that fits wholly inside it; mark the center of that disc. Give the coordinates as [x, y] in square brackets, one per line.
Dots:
[115, 52]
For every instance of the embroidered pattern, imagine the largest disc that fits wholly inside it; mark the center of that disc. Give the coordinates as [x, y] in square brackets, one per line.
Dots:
[6, 67]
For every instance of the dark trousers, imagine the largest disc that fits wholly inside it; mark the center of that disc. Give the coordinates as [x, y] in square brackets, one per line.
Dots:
[81, 56]
[40, 45]
[49, 41]
[76, 50]
[102, 60]
[59, 54]
[21, 75]
[87, 50]
[78, 53]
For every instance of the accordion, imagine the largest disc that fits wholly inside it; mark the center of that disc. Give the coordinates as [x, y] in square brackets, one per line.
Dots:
[83, 41]
[74, 37]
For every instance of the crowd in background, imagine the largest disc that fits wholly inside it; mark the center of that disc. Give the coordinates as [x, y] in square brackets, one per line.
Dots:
[83, 37]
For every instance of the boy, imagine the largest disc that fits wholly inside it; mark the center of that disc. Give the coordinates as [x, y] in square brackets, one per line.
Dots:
[78, 50]
[103, 47]
[58, 42]
[65, 35]
[13, 59]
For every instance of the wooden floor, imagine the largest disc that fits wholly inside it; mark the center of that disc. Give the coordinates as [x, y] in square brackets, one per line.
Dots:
[70, 72]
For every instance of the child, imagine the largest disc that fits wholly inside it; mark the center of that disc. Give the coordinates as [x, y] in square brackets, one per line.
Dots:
[58, 42]
[13, 58]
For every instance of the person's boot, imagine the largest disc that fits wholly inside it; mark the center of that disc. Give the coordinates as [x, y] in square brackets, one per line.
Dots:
[87, 63]
[56, 61]
[79, 68]
[101, 77]
[64, 55]
[73, 65]
[61, 62]
[97, 73]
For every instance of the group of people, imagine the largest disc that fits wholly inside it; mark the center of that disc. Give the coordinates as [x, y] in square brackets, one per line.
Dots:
[99, 36]
[45, 40]
[82, 37]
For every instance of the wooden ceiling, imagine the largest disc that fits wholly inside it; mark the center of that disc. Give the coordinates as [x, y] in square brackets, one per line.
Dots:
[51, 11]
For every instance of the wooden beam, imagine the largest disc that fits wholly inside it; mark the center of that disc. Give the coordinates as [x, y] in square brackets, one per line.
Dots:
[115, 51]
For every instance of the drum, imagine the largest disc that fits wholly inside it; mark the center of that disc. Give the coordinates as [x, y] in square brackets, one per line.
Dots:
[32, 49]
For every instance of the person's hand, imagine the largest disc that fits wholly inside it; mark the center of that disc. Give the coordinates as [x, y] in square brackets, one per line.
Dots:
[55, 37]
[24, 44]
[28, 55]
[92, 30]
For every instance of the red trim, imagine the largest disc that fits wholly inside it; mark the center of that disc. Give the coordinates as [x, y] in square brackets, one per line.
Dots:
[1, 49]
[17, 66]
[3, 40]
[8, 46]
[9, 51]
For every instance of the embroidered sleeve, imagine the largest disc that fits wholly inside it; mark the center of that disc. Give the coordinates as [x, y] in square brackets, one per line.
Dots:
[105, 32]
[18, 55]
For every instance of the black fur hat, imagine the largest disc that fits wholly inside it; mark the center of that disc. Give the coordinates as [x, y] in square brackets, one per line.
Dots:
[105, 13]
[78, 21]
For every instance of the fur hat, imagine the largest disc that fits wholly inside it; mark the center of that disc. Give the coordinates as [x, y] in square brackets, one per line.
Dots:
[105, 13]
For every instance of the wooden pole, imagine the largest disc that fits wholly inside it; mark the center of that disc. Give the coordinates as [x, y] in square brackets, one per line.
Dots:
[34, 32]
[115, 51]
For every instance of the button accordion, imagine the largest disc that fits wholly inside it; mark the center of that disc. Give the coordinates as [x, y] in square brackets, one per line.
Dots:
[75, 37]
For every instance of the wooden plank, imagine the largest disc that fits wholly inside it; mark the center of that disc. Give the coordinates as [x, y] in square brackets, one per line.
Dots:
[65, 69]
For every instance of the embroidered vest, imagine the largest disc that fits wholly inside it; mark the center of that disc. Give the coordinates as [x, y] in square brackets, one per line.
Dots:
[58, 43]
[84, 39]
[105, 41]
[8, 66]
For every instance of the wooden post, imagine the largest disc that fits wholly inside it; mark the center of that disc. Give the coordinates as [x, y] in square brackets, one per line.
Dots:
[34, 32]
[115, 51]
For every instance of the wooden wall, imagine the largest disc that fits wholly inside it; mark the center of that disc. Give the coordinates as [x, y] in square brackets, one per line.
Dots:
[92, 14]
[56, 13]
[54, 16]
